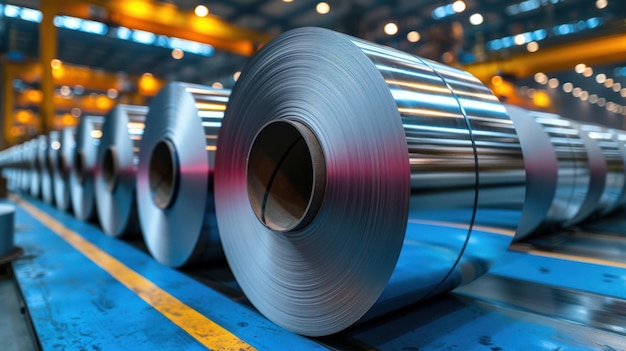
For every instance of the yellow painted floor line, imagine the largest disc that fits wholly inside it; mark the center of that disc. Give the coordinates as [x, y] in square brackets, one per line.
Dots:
[567, 257]
[198, 326]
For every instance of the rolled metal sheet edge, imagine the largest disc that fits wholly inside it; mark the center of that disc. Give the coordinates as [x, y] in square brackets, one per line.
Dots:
[175, 174]
[114, 179]
[400, 156]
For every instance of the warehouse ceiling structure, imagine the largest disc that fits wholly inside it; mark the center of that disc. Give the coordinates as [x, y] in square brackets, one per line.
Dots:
[566, 56]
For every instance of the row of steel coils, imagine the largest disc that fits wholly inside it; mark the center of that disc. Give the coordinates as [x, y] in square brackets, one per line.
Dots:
[339, 184]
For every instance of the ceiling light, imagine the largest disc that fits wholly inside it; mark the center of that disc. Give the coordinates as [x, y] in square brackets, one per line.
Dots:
[617, 87]
[600, 78]
[541, 78]
[519, 39]
[588, 72]
[217, 85]
[497, 80]
[112, 93]
[413, 36]
[65, 90]
[567, 87]
[576, 92]
[608, 82]
[580, 68]
[593, 98]
[322, 8]
[177, 54]
[287, 0]
[391, 28]
[458, 6]
[533, 46]
[601, 102]
[76, 112]
[55, 64]
[553, 83]
[623, 92]
[584, 95]
[201, 11]
[476, 19]
[236, 75]
[601, 4]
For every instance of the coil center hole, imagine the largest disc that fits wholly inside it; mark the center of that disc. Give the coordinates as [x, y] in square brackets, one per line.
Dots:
[110, 168]
[163, 173]
[79, 166]
[286, 175]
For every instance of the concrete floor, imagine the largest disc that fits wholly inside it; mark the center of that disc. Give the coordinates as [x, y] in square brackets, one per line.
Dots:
[15, 334]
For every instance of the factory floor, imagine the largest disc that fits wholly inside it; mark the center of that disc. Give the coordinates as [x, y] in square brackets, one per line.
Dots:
[83, 290]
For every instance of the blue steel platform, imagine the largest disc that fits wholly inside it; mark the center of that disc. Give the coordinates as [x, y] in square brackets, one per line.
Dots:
[87, 291]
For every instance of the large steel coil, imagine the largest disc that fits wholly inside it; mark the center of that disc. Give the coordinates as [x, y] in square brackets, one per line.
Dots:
[64, 164]
[175, 174]
[88, 134]
[116, 169]
[50, 154]
[334, 167]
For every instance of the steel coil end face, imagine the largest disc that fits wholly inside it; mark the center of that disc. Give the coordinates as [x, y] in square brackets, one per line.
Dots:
[175, 173]
[88, 134]
[312, 182]
[115, 171]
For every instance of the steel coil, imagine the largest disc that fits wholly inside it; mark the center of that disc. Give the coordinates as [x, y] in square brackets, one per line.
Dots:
[35, 171]
[50, 159]
[175, 174]
[116, 169]
[335, 166]
[88, 134]
[64, 164]
[614, 170]
[7, 229]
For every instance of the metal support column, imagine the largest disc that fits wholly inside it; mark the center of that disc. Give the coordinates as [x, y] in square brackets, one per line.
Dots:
[47, 53]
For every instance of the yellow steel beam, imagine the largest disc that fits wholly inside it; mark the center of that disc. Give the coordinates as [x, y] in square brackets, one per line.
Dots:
[597, 51]
[7, 104]
[47, 52]
[166, 19]
[72, 75]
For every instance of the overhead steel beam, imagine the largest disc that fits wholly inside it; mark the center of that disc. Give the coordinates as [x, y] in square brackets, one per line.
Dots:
[597, 51]
[166, 19]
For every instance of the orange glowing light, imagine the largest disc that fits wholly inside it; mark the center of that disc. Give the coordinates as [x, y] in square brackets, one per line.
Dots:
[542, 99]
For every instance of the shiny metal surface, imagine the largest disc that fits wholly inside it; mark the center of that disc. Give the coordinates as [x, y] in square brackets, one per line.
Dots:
[117, 159]
[597, 177]
[43, 165]
[557, 172]
[88, 134]
[620, 137]
[175, 199]
[7, 228]
[408, 145]
[615, 173]
[24, 167]
[33, 167]
[63, 167]
[50, 154]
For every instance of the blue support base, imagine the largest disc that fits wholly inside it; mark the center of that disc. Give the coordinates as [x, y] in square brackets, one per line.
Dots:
[529, 301]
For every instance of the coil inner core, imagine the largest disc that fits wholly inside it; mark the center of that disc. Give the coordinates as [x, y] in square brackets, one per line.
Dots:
[286, 175]
[163, 173]
[79, 166]
[110, 168]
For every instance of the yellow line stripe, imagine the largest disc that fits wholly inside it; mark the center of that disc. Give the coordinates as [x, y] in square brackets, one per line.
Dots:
[568, 257]
[198, 326]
